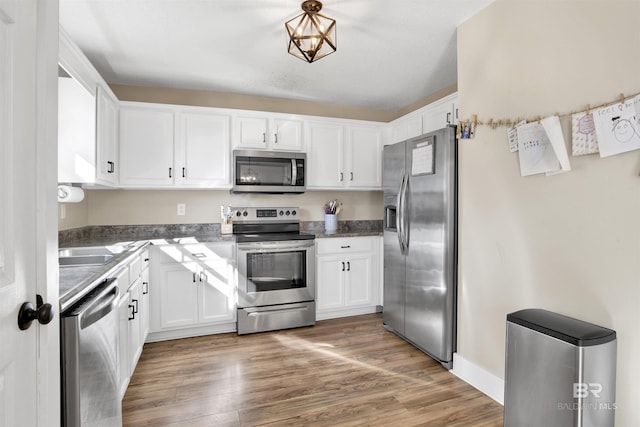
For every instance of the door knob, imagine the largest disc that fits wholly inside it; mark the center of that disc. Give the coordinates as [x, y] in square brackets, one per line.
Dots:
[43, 313]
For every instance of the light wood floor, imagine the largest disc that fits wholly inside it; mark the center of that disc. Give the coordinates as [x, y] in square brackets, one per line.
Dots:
[341, 372]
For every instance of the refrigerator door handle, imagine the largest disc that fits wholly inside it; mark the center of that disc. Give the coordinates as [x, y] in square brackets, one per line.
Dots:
[399, 217]
[406, 225]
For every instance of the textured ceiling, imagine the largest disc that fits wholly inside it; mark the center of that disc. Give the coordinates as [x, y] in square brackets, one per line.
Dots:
[390, 54]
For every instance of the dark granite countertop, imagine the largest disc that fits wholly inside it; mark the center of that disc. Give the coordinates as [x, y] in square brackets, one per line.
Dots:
[181, 233]
[77, 281]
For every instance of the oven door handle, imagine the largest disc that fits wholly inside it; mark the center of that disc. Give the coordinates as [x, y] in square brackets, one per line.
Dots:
[261, 247]
[265, 311]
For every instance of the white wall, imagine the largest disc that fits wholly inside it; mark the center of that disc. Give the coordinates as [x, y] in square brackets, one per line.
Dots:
[568, 243]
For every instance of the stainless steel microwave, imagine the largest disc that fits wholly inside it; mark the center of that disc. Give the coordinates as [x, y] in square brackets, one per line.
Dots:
[269, 171]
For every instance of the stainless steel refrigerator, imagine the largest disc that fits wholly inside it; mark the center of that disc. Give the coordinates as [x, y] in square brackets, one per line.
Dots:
[420, 256]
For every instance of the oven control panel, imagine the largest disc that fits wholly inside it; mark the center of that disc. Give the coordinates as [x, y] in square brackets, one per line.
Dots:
[253, 214]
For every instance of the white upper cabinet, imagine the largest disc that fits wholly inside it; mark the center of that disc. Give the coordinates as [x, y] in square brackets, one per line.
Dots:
[203, 150]
[440, 114]
[146, 145]
[165, 146]
[76, 132]
[364, 157]
[336, 162]
[107, 162]
[87, 121]
[267, 132]
[325, 155]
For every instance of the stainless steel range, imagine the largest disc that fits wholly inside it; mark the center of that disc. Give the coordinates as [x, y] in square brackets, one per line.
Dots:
[276, 270]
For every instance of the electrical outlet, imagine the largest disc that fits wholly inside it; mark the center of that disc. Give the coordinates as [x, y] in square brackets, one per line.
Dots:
[182, 209]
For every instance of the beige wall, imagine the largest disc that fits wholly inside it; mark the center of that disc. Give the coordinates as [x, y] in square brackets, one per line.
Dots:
[73, 215]
[568, 243]
[128, 207]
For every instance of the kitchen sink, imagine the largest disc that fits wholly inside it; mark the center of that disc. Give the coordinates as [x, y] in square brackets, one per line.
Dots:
[89, 255]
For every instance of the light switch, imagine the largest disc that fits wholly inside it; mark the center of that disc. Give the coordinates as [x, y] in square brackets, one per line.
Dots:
[182, 209]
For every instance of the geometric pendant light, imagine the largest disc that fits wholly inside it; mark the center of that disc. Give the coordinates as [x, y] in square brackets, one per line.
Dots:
[311, 35]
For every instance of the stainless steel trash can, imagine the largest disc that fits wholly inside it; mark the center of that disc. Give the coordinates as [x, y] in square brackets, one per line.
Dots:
[560, 371]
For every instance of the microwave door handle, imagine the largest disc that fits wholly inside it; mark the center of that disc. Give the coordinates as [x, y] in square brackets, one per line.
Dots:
[294, 171]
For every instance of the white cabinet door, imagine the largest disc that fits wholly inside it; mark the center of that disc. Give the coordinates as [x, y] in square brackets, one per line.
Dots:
[135, 344]
[267, 133]
[202, 150]
[123, 341]
[144, 305]
[146, 146]
[287, 135]
[325, 155]
[406, 127]
[438, 115]
[365, 158]
[252, 132]
[358, 286]
[330, 282]
[178, 292]
[76, 132]
[107, 164]
[216, 299]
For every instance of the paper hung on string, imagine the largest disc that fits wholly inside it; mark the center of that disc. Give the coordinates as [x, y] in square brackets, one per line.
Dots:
[512, 136]
[541, 148]
[617, 128]
[583, 132]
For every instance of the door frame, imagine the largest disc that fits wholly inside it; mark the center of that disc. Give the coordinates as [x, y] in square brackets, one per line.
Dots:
[46, 179]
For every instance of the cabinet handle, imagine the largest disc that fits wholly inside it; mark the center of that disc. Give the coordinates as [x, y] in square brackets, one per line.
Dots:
[170, 172]
[275, 137]
[348, 266]
[345, 247]
[448, 118]
[342, 265]
[194, 277]
[132, 315]
[135, 301]
[146, 260]
[145, 288]
[201, 277]
[112, 167]
[264, 137]
[341, 177]
[351, 175]
[456, 113]
[184, 172]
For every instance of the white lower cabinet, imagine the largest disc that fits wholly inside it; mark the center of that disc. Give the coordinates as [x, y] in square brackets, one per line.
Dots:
[133, 312]
[194, 290]
[348, 276]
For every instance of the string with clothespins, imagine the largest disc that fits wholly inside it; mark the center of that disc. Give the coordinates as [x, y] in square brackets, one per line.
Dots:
[510, 122]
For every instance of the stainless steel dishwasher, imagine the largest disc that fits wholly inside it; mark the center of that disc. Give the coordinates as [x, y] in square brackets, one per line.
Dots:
[90, 378]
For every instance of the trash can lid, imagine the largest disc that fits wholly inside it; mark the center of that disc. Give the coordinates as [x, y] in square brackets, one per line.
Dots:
[564, 328]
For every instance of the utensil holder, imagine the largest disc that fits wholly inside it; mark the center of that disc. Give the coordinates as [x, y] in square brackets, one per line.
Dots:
[330, 223]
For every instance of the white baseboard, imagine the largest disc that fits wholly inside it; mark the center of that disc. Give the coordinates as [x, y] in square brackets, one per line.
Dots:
[479, 378]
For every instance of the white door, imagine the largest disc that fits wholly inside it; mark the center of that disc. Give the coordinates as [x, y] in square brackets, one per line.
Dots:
[29, 359]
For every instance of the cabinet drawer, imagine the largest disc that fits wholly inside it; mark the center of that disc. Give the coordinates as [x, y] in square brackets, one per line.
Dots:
[344, 245]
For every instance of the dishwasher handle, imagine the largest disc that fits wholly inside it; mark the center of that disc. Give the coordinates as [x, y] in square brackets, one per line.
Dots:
[101, 304]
